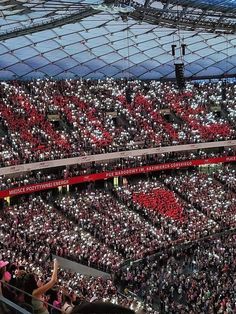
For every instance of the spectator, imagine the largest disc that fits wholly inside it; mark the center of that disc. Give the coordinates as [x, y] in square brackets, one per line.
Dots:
[68, 305]
[5, 276]
[102, 308]
[37, 289]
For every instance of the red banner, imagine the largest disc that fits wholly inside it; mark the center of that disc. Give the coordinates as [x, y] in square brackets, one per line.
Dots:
[110, 174]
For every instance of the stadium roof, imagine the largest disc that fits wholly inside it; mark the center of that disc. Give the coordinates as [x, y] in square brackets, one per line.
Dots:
[112, 38]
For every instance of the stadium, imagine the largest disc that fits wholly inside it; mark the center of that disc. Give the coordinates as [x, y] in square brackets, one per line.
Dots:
[117, 156]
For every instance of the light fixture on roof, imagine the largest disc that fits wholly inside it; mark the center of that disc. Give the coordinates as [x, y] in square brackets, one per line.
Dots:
[179, 74]
[224, 81]
[180, 46]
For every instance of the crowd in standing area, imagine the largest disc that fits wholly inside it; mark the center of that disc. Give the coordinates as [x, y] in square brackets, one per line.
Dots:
[197, 279]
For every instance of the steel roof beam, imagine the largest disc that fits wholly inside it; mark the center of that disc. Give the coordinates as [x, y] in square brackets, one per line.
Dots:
[223, 7]
[186, 20]
[53, 23]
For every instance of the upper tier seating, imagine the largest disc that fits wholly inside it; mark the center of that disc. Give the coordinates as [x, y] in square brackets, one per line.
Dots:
[44, 119]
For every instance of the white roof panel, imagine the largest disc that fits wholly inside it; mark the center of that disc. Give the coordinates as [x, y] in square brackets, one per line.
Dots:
[105, 44]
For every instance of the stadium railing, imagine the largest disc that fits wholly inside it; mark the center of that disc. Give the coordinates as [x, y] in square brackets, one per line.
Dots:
[9, 307]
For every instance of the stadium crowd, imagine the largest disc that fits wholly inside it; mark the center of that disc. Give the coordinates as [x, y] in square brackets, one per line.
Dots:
[175, 219]
[197, 279]
[27, 227]
[171, 216]
[207, 194]
[33, 177]
[69, 289]
[109, 230]
[111, 222]
[229, 104]
[227, 176]
[24, 231]
[44, 119]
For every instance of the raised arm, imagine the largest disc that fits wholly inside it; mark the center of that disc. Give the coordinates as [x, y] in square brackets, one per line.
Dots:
[41, 290]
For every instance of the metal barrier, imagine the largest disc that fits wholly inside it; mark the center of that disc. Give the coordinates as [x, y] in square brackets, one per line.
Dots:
[8, 307]
[112, 156]
[23, 308]
[180, 246]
